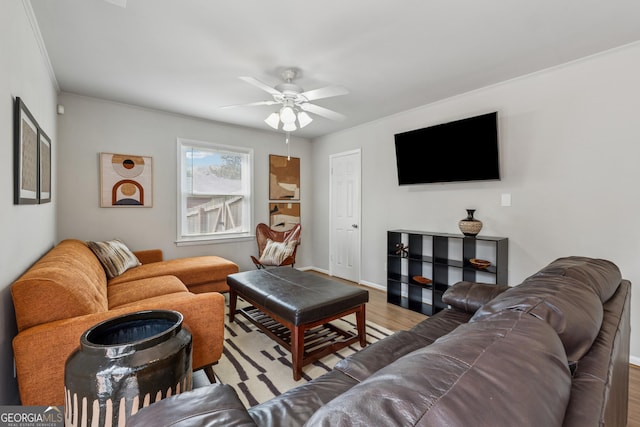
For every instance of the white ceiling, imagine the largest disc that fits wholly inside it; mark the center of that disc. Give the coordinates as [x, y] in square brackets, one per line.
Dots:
[185, 56]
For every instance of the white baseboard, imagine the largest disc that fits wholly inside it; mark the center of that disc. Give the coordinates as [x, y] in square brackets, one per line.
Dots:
[634, 360]
[319, 270]
[362, 282]
[373, 285]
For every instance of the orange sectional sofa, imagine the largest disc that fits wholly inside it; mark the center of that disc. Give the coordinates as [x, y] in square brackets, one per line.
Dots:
[67, 291]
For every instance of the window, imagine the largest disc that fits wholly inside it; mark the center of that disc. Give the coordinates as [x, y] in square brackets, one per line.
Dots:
[215, 199]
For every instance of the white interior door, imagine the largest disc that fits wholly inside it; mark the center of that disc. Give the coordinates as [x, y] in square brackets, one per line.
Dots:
[344, 257]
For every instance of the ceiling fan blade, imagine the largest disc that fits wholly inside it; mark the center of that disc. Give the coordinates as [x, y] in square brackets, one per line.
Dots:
[324, 92]
[321, 111]
[251, 104]
[259, 84]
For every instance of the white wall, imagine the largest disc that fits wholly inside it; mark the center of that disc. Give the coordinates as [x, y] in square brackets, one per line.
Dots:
[90, 126]
[570, 151]
[27, 230]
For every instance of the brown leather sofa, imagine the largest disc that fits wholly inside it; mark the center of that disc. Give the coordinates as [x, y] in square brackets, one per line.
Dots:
[67, 291]
[552, 351]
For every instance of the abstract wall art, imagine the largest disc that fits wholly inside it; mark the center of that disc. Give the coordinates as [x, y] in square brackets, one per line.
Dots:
[284, 178]
[25, 168]
[44, 171]
[283, 216]
[126, 180]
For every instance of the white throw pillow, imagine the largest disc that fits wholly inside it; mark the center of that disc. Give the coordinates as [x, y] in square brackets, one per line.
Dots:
[276, 252]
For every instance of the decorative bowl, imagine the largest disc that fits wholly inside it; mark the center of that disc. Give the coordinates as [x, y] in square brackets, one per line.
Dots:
[480, 263]
[421, 280]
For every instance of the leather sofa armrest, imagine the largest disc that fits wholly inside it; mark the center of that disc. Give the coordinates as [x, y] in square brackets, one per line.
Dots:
[148, 256]
[470, 296]
[214, 405]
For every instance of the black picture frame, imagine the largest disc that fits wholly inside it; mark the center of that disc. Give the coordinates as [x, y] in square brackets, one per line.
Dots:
[44, 167]
[26, 163]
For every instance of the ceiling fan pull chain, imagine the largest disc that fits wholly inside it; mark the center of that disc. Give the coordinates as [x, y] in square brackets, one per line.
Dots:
[286, 140]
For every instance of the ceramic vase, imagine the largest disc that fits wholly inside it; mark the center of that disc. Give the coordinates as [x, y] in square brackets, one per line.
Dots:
[469, 225]
[124, 364]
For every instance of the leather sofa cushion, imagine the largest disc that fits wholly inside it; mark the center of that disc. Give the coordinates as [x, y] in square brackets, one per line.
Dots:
[600, 275]
[441, 323]
[367, 361]
[217, 404]
[470, 296]
[570, 307]
[295, 407]
[439, 385]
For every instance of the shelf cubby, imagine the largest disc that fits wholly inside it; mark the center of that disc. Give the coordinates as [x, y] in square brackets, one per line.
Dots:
[443, 258]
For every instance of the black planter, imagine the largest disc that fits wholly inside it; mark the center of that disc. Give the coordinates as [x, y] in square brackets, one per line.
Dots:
[124, 364]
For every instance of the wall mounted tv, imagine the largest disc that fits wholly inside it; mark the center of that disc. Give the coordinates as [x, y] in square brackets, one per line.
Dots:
[462, 150]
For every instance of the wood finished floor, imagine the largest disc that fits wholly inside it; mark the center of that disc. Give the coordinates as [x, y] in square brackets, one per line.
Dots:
[397, 318]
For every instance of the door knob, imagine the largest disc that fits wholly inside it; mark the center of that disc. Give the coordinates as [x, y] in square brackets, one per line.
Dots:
[354, 225]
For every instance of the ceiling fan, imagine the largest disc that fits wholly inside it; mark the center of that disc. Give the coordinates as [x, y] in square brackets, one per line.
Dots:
[294, 101]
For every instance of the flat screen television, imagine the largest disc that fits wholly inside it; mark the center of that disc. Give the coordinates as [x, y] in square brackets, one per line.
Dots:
[462, 150]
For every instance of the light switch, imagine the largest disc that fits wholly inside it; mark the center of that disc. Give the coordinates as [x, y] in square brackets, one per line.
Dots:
[506, 199]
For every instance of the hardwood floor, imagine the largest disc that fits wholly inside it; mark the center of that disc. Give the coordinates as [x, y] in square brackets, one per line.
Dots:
[397, 318]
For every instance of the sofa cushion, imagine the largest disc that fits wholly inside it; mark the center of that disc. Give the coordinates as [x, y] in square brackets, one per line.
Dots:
[137, 290]
[439, 385]
[568, 305]
[115, 256]
[191, 271]
[470, 296]
[68, 281]
[294, 407]
[367, 361]
[600, 275]
[217, 404]
[276, 252]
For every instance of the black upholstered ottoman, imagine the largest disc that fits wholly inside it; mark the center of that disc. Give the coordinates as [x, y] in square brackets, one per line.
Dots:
[302, 305]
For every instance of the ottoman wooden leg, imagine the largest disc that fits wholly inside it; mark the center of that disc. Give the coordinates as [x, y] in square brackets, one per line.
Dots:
[361, 325]
[233, 299]
[297, 351]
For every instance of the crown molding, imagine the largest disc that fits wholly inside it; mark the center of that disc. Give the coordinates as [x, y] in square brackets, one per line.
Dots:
[31, 16]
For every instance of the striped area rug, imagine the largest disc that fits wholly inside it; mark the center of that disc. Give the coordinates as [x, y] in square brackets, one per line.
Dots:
[259, 368]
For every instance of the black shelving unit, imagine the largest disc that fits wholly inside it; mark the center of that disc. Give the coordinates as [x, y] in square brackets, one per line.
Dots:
[443, 258]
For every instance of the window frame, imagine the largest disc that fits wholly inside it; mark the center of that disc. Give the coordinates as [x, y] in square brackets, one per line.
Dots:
[218, 237]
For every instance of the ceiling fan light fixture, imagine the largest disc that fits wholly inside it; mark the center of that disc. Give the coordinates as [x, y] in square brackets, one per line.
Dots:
[304, 119]
[287, 115]
[273, 120]
[289, 127]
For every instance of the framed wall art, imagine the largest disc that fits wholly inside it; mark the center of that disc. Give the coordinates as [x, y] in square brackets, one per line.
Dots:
[125, 180]
[44, 167]
[25, 168]
[283, 216]
[284, 178]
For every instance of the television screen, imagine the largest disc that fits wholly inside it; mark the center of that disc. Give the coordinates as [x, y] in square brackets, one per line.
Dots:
[462, 150]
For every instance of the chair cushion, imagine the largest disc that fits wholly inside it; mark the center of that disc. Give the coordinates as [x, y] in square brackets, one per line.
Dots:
[276, 252]
[115, 256]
